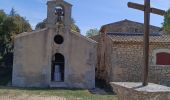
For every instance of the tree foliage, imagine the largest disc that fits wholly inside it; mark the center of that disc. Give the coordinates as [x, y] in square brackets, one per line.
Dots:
[92, 32]
[166, 24]
[10, 25]
[74, 27]
[13, 12]
[42, 25]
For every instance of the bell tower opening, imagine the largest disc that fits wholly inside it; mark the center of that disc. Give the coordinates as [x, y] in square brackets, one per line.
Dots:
[59, 13]
[57, 70]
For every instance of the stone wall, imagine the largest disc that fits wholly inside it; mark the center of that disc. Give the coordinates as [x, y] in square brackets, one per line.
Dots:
[160, 74]
[135, 91]
[32, 64]
[104, 49]
[127, 63]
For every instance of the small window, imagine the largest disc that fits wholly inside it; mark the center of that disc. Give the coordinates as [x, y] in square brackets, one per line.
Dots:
[163, 58]
[58, 39]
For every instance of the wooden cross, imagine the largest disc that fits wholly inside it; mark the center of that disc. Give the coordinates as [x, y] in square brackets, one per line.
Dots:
[147, 10]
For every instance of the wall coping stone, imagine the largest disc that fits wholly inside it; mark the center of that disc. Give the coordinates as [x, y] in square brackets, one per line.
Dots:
[135, 91]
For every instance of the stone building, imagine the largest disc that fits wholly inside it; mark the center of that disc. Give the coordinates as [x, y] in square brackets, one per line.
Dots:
[54, 56]
[58, 57]
[120, 53]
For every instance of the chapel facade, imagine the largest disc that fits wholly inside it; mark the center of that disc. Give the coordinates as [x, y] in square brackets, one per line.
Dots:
[55, 56]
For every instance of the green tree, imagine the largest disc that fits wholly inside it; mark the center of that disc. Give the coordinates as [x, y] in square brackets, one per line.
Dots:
[74, 27]
[166, 24]
[42, 25]
[13, 12]
[2, 36]
[10, 25]
[92, 32]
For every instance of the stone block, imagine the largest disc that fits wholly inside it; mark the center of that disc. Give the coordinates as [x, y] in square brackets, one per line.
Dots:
[135, 91]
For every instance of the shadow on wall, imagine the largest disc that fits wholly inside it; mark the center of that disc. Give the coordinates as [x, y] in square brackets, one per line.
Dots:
[104, 86]
[5, 75]
[6, 63]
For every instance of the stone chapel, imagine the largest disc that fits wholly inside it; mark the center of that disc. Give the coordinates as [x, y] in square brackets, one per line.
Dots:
[120, 53]
[54, 56]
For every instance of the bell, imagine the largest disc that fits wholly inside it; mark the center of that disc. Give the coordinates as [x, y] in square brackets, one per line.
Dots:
[59, 12]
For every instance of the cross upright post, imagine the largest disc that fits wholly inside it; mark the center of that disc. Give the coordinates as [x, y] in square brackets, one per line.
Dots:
[146, 41]
[147, 10]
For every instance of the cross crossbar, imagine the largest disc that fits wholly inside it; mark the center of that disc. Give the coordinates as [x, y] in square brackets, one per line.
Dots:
[142, 8]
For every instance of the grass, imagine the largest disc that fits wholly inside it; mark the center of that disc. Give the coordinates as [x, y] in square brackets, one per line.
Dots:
[70, 94]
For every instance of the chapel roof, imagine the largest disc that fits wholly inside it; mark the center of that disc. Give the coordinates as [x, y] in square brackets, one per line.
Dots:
[131, 31]
[136, 37]
[132, 34]
[130, 21]
[128, 26]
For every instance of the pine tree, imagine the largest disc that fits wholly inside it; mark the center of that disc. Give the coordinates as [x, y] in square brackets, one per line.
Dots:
[166, 24]
[13, 12]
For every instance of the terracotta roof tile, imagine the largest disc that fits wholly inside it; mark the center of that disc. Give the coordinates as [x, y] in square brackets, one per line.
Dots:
[136, 37]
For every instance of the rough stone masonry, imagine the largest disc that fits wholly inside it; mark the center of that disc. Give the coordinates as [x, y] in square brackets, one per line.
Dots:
[120, 53]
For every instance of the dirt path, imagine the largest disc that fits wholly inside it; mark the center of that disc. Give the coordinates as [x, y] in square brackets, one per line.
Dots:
[29, 97]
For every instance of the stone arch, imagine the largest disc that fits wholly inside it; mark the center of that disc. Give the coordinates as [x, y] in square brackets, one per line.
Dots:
[60, 7]
[59, 12]
[161, 57]
[58, 67]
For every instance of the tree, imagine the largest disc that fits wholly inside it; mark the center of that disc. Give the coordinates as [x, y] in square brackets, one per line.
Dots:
[74, 27]
[92, 32]
[2, 37]
[10, 25]
[13, 12]
[166, 24]
[42, 25]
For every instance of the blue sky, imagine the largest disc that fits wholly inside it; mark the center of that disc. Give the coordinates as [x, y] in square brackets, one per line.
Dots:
[87, 13]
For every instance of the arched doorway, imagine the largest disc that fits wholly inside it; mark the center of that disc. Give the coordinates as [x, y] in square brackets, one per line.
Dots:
[57, 70]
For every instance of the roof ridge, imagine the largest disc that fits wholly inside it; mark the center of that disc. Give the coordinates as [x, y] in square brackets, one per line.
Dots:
[127, 20]
[132, 33]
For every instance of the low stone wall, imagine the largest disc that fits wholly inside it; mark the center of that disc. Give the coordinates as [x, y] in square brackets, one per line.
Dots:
[135, 91]
[160, 74]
